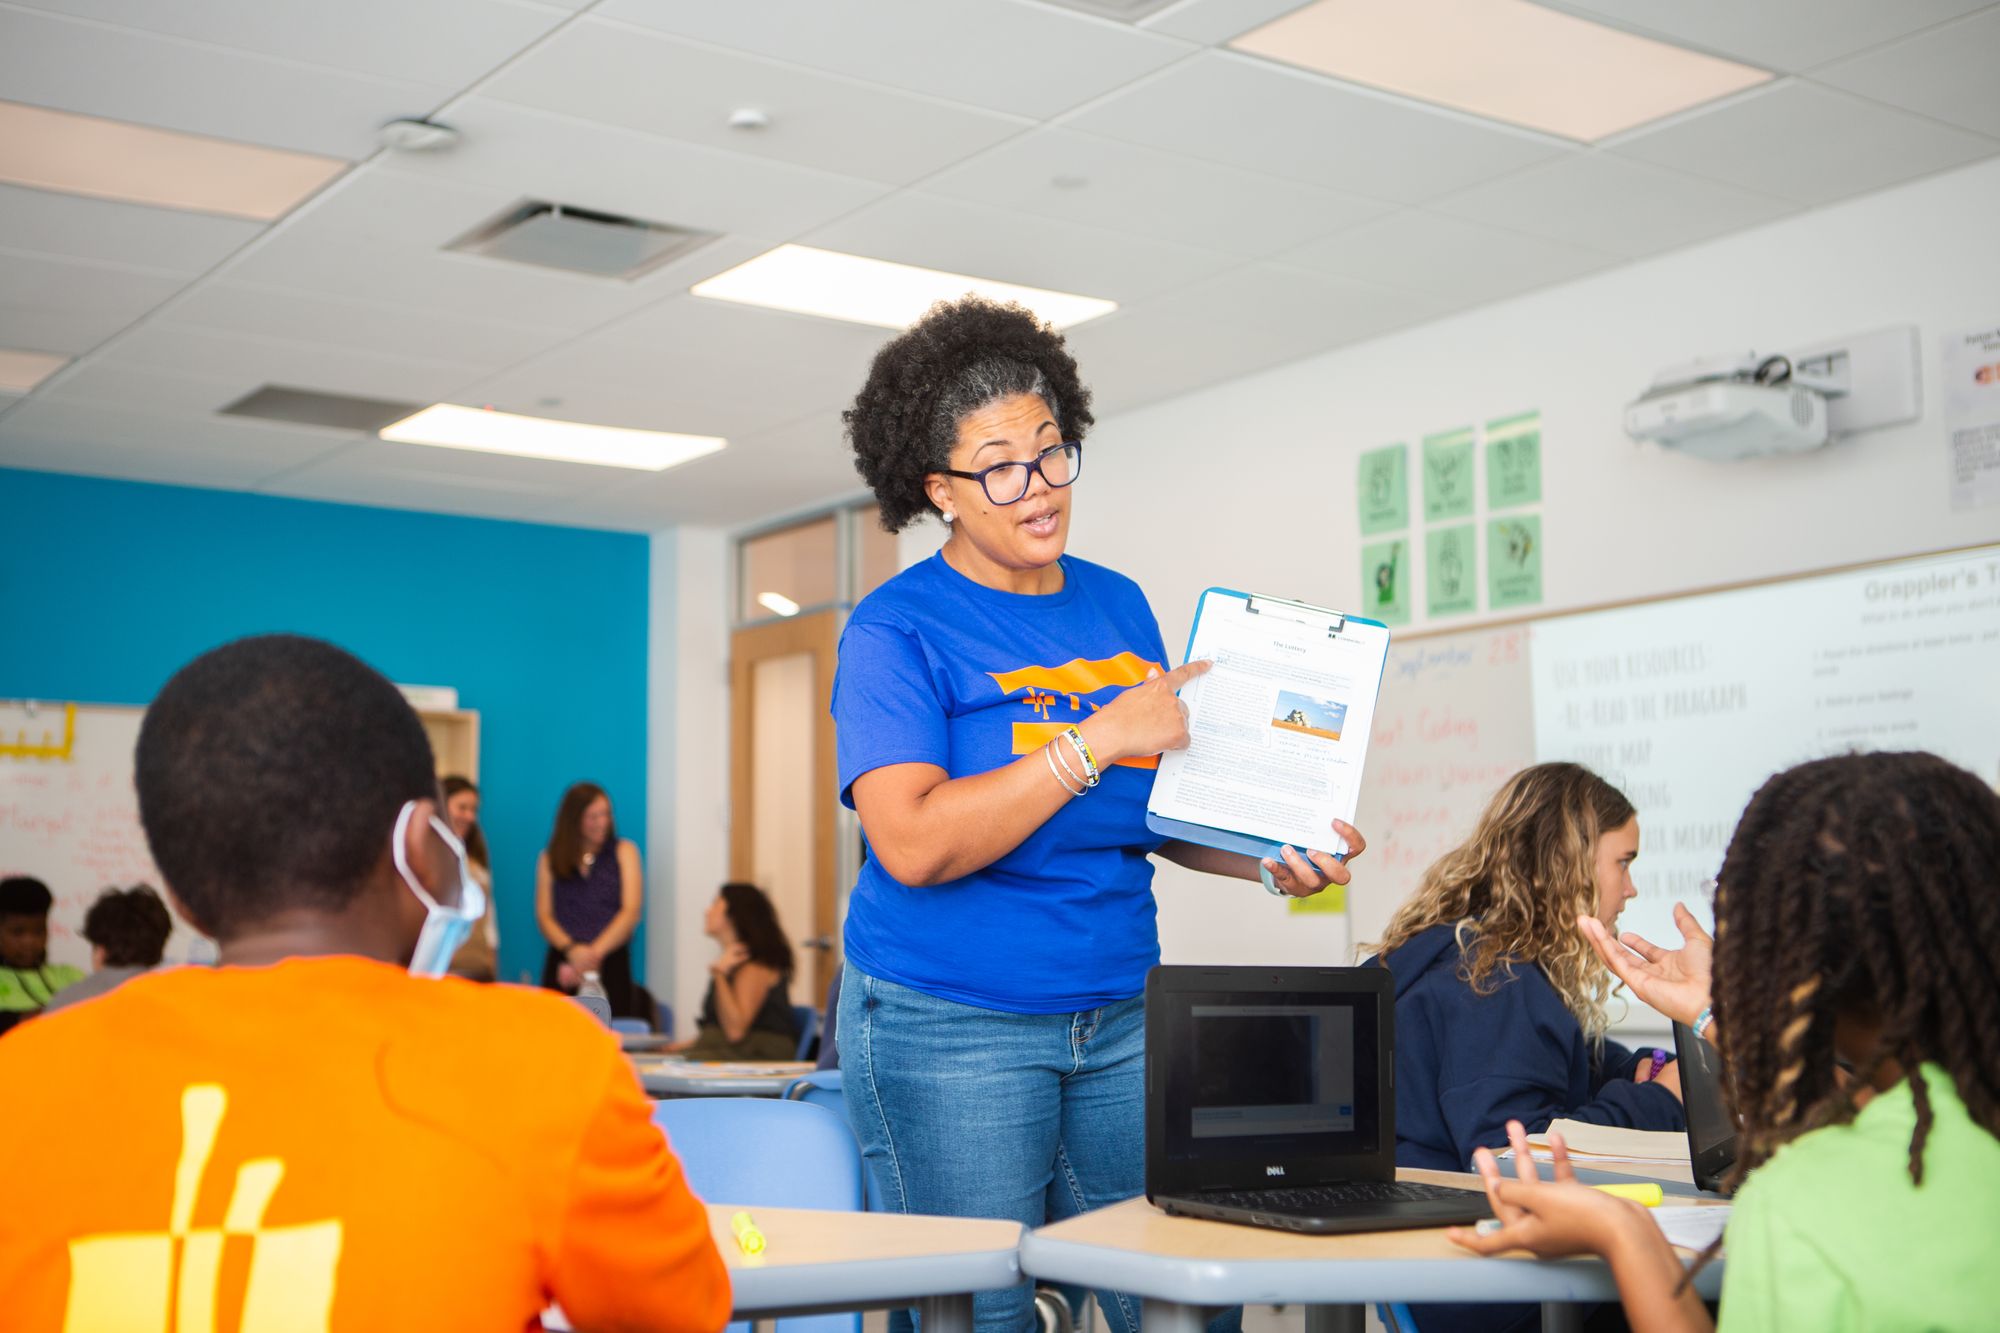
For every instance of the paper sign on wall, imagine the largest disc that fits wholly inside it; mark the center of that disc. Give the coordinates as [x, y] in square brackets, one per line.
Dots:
[1385, 579]
[1448, 475]
[1383, 489]
[1514, 461]
[1331, 900]
[1514, 561]
[1451, 570]
[1972, 415]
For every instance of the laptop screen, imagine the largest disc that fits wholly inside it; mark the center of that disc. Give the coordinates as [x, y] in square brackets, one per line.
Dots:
[1711, 1124]
[1274, 1077]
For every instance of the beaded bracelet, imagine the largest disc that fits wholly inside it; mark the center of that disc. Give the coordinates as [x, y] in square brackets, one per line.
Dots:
[1702, 1020]
[1084, 756]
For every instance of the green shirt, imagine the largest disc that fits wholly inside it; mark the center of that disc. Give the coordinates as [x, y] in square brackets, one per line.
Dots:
[26, 989]
[1831, 1236]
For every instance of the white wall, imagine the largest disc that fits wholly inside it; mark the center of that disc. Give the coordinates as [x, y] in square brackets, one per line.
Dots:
[1250, 484]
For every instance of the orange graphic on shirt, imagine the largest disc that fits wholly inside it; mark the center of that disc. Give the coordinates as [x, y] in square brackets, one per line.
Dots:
[1049, 688]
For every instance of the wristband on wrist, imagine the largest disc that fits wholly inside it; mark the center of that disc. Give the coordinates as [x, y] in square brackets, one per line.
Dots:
[1270, 885]
[1702, 1020]
[1090, 775]
[1049, 753]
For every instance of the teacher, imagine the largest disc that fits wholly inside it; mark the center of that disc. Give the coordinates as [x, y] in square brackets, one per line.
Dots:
[1000, 709]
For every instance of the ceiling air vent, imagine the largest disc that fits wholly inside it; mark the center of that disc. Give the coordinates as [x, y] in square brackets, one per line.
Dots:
[309, 407]
[578, 240]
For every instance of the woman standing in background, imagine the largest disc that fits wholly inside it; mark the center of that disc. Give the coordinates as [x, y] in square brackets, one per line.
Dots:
[588, 895]
[478, 959]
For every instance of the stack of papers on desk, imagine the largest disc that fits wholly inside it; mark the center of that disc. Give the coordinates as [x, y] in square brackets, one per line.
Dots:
[1589, 1144]
[1693, 1227]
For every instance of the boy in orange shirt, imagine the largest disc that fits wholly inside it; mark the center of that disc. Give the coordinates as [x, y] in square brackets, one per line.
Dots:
[319, 1133]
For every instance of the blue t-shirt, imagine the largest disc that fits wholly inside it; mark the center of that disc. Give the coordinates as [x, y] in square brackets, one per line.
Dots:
[937, 669]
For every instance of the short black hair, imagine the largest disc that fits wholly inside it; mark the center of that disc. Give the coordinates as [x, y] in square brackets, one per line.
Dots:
[961, 356]
[270, 771]
[130, 925]
[24, 895]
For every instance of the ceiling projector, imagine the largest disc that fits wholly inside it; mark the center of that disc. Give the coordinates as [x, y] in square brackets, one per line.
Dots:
[1731, 407]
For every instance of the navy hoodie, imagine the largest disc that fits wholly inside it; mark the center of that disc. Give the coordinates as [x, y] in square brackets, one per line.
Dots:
[1466, 1064]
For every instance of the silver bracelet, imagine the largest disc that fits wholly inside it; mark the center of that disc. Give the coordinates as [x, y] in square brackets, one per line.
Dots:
[1083, 784]
[1049, 753]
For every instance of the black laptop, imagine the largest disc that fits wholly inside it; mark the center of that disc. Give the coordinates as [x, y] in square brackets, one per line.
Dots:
[1271, 1101]
[1711, 1124]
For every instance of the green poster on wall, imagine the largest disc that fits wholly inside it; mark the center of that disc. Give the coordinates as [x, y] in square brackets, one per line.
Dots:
[1448, 475]
[1514, 561]
[1382, 489]
[1514, 461]
[1451, 572]
[1385, 579]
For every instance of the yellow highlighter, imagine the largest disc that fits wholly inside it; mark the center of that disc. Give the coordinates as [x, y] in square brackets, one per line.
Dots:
[751, 1241]
[1645, 1193]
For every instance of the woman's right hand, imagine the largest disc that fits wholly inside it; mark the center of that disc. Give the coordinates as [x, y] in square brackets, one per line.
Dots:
[729, 960]
[1674, 981]
[1145, 719]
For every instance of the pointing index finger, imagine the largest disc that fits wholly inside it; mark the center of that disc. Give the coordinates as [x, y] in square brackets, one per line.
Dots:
[1185, 672]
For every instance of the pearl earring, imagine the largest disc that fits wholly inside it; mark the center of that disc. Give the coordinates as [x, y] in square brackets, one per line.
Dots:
[949, 517]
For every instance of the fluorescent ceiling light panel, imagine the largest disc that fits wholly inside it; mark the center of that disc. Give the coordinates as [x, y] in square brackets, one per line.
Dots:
[109, 159]
[1503, 59]
[807, 281]
[20, 372]
[449, 426]
[778, 602]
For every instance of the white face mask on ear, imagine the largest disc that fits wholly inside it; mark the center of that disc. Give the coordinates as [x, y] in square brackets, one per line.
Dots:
[445, 928]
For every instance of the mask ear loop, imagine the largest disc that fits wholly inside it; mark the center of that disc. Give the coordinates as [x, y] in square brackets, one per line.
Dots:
[472, 899]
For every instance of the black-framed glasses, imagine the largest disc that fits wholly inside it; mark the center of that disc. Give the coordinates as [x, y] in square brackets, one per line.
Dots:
[1007, 483]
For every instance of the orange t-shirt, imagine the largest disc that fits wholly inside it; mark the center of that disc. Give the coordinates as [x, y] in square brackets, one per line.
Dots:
[330, 1143]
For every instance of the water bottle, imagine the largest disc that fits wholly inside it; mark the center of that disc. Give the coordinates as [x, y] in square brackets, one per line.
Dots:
[592, 997]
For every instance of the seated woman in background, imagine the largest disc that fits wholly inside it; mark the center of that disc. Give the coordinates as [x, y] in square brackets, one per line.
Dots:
[588, 896]
[478, 959]
[747, 1013]
[1856, 926]
[127, 930]
[1500, 1002]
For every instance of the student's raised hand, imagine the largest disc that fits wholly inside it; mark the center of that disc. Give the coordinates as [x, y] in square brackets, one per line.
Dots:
[1673, 981]
[1146, 719]
[1303, 875]
[730, 959]
[1547, 1218]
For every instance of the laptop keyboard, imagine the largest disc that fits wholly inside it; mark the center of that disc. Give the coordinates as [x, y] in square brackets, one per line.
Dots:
[1310, 1199]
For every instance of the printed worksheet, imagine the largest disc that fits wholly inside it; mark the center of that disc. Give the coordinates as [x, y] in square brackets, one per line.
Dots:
[1278, 728]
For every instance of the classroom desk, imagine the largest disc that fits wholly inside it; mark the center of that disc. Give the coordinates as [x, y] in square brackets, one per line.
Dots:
[1181, 1268]
[686, 1078]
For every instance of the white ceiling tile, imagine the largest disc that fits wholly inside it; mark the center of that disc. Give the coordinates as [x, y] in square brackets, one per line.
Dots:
[74, 227]
[1284, 122]
[1316, 309]
[1447, 257]
[133, 76]
[1214, 21]
[792, 467]
[1948, 73]
[370, 326]
[1776, 34]
[152, 446]
[54, 305]
[1609, 203]
[178, 349]
[534, 154]
[7, 400]
[1072, 177]
[426, 41]
[1144, 356]
[1027, 59]
[110, 381]
[620, 75]
[984, 242]
[1807, 143]
[452, 481]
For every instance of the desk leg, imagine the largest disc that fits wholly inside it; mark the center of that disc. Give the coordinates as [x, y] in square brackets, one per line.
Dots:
[1172, 1317]
[1561, 1317]
[945, 1314]
[1336, 1318]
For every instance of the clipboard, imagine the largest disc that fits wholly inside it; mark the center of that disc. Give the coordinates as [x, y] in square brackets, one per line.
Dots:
[1336, 624]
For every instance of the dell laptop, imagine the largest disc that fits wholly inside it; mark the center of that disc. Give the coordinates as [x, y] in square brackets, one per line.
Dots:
[1271, 1101]
[1711, 1124]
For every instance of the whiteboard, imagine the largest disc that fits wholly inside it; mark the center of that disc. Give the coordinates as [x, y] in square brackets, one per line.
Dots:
[1687, 703]
[69, 815]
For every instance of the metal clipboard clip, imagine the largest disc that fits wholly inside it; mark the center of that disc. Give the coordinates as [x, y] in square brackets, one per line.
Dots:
[1298, 612]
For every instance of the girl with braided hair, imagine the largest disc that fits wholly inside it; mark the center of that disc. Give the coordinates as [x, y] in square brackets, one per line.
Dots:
[1857, 926]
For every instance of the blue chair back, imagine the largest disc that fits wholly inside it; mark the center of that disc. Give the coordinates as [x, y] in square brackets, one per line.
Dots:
[764, 1153]
[823, 1087]
[635, 1027]
[807, 1018]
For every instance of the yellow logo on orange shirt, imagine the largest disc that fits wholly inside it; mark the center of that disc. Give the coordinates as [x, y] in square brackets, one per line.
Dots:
[128, 1280]
[1049, 687]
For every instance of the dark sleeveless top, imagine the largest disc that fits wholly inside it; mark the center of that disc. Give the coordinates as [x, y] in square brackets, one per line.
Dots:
[585, 905]
[775, 1015]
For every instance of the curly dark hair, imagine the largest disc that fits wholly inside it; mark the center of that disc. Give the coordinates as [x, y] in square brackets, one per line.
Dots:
[961, 356]
[130, 925]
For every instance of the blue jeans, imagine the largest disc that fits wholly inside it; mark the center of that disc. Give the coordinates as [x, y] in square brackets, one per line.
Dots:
[969, 1112]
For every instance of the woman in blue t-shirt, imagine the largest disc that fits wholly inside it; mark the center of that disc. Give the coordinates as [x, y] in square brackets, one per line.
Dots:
[999, 711]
